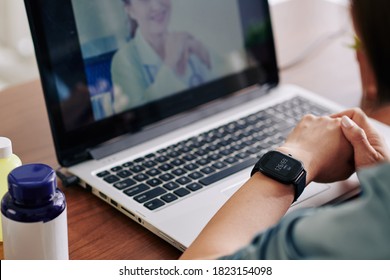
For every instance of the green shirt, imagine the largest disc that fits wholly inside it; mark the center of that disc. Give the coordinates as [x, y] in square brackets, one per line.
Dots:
[357, 229]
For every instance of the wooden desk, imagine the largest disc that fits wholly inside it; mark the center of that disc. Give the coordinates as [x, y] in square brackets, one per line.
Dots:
[98, 231]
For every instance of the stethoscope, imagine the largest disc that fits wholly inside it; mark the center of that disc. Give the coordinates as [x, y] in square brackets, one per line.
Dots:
[151, 72]
[196, 79]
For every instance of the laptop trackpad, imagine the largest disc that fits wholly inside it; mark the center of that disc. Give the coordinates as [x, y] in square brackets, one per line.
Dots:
[231, 190]
[312, 190]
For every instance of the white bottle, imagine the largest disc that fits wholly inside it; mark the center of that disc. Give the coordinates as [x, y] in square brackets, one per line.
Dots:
[34, 217]
[8, 161]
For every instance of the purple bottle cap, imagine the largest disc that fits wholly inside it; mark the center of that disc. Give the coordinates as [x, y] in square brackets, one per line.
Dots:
[32, 184]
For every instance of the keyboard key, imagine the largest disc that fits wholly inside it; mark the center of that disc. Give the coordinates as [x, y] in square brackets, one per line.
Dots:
[212, 148]
[161, 151]
[139, 160]
[231, 160]
[194, 187]
[177, 162]
[182, 192]
[149, 164]
[124, 184]
[171, 186]
[141, 177]
[165, 167]
[153, 172]
[189, 157]
[196, 175]
[207, 170]
[169, 197]
[214, 157]
[173, 154]
[183, 180]
[154, 204]
[128, 164]
[116, 168]
[179, 172]
[154, 182]
[260, 137]
[124, 173]
[237, 147]
[228, 171]
[149, 195]
[201, 152]
[111, 179]
[252, 151]
[226, 152]
[137, 168]
[166, 177]
[103, 174]
[162, 159]
[191, 166]
[203, 161]
[242, 155]
[136, 190]
[195, 145]
[219, 165]
[249, 142]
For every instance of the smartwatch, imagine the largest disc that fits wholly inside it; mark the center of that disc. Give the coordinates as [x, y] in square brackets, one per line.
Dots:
[284, 169]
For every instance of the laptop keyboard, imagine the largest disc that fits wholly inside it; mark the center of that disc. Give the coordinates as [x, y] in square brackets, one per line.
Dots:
[180, 170]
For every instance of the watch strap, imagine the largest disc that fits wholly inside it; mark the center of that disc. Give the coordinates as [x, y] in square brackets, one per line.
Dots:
[300, 185]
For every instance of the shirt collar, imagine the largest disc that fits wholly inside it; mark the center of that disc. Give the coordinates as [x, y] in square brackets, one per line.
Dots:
[147, 54]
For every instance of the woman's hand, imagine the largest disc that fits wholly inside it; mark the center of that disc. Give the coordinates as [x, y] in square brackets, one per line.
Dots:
[369, 147]
[178, 48]
[320, 144]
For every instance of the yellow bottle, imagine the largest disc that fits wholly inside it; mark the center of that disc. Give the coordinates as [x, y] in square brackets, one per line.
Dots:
[8, 161]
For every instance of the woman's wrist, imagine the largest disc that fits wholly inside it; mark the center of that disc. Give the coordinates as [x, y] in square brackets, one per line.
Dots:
[304, 157]
[267, 188]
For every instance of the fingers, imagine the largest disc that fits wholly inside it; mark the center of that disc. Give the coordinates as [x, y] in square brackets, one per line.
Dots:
[198, 49]
[182, 63]
[355, 134]
[178, 48]
[360, 119]
[176, 51]
[365, 154]
[355, 114]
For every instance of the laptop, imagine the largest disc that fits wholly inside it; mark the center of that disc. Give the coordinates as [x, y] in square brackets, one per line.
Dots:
[161, 108]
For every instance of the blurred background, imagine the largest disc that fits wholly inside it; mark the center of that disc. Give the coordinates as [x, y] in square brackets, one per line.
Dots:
[17, 59]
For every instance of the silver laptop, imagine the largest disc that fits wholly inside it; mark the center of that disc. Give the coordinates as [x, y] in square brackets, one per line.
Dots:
[162, 107]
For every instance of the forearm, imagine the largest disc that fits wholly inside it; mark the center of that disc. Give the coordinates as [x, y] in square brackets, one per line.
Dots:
[262, 201]
[257, 205]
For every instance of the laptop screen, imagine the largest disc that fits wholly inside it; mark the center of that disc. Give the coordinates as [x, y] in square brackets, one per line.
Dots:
[110, 68]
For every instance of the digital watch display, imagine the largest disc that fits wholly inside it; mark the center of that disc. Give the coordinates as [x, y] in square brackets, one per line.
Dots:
[284, 169]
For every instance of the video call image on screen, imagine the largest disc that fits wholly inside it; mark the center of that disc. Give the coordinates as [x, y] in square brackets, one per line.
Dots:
[139, 51]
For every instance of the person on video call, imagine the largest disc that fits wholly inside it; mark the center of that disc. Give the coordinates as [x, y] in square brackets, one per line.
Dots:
[157, 62]
[253, 224]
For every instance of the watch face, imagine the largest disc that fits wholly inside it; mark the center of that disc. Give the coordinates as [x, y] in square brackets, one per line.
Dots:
[280, 166]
